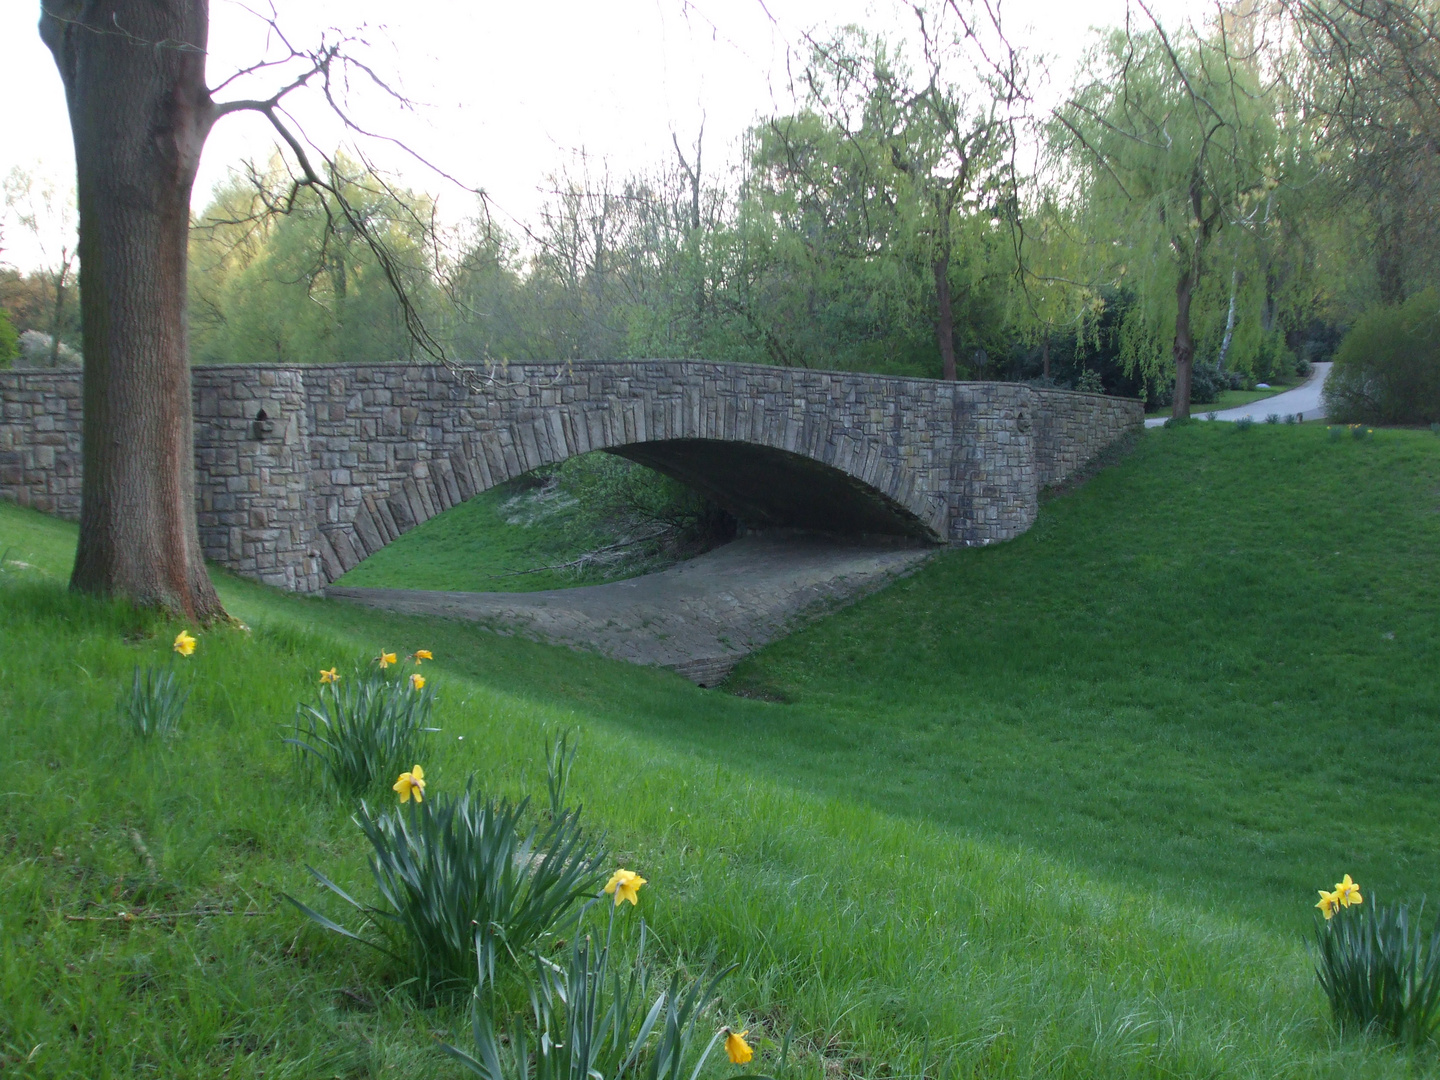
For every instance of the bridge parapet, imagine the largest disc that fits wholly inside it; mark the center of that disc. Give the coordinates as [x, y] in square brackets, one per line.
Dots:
[301, 472]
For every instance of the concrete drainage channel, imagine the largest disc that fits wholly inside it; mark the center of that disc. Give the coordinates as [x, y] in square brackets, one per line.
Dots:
[698, 619]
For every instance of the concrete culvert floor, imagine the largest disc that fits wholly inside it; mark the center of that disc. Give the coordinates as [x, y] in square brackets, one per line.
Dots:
[699, 618]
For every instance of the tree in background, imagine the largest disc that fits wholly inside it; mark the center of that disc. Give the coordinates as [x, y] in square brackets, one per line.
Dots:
[921, 167]
[302, 286]
[1373, 79]
[49, 216]
[1169, 142]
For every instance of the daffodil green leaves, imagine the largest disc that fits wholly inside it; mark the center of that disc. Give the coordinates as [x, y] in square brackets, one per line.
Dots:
[456, 875]
[365, 728]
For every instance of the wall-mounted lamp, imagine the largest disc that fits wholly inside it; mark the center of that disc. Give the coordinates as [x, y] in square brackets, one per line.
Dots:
[262, 426]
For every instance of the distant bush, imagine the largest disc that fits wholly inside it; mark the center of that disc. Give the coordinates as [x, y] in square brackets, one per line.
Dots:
[36, 351]
[1207, 383]
[9, 340]
[1387, 369]
[1273, 358]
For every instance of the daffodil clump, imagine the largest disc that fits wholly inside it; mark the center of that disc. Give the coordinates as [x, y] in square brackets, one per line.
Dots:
[459, 878]
[366, 725]
[156, 700]
[1376, 966]
[599, 1018]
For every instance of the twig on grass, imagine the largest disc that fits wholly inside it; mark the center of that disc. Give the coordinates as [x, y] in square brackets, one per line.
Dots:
[166, 916]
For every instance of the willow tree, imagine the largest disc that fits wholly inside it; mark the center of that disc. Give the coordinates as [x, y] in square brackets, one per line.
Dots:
[925, 137]
[140, 111]
[1165, 143]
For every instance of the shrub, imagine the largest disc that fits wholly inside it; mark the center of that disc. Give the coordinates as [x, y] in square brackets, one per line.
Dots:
[154, 704]
[1244, 423]
[593, 1022]
[1387, 369]
[1292, 418]
[1379, 969]
[1272, 418]
[1207, 382]
[1090, 382]
[38, 350]
[1272, 357]
[365, 727]
[456, 875]
[9, 340]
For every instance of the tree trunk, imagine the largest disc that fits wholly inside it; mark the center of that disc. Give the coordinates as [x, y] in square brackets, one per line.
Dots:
[1045, 358]
[57, 319]
[1389, 266]
[1184, 343]
[945, 318]
[134, 75]
[1229, 318]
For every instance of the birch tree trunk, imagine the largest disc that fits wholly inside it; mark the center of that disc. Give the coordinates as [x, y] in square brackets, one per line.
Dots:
[134, 76]
[1229, 318]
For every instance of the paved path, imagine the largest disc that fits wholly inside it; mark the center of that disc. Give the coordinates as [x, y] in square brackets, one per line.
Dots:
[698, 618]
[1304, 400]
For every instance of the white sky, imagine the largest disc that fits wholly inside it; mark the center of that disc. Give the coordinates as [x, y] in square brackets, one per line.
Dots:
[509, 90]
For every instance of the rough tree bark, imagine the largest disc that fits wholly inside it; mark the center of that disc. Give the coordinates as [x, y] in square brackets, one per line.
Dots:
[134, 76]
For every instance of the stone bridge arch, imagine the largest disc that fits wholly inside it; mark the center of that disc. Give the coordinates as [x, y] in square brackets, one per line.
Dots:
[742, 438]
[346, 458]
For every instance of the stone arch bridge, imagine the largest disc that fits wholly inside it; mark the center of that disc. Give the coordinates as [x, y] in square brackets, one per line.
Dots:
[303, 471]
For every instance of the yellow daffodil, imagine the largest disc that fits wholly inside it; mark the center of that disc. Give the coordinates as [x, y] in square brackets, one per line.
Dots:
[1347, 892]
[422, 654]
[737, 1049]
[386, 659]
[417, 681]
[184, 643]
[625, 885]
[410, 784]
[1328, 903]
[331, 676]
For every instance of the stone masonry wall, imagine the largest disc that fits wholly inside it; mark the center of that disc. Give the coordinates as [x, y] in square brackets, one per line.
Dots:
[1073, 427]
[349, 457]
[40, 440]
[255, 508]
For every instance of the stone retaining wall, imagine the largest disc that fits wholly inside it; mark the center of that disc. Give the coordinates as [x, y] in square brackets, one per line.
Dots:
[346, 458]
[1074, 427]
[40, 440]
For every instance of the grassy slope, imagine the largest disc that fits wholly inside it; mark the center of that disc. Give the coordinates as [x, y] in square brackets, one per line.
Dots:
[478, 546]
[1055, 808]
[499, 542]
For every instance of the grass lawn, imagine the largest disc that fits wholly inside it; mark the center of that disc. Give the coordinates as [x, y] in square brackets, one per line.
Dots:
[1056, 808]
[499, 541]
